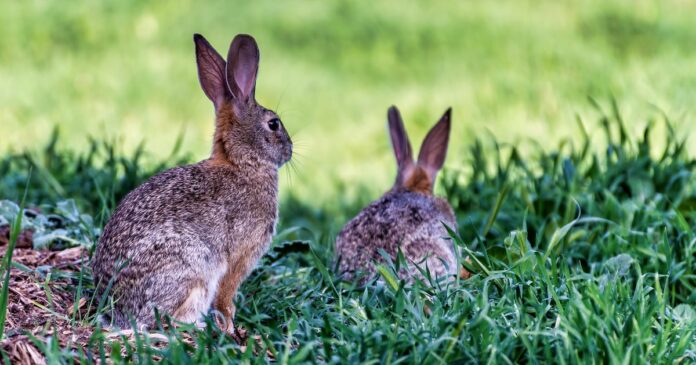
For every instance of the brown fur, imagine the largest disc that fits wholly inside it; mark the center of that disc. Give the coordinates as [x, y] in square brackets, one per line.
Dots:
[228, 289]
[186, 239]
[407, 218]
[418, 181]
[223, 124]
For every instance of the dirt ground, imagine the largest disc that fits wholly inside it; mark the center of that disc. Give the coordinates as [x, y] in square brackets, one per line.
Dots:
[41, 308]
[41, 303]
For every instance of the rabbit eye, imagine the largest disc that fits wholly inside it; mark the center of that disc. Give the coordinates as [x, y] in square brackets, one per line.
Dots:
[273, 124]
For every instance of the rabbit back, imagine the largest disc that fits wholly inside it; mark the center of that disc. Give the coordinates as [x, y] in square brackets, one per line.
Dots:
[400, 220]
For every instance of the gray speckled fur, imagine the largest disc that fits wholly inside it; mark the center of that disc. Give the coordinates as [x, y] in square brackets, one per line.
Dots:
[176, 229]
[183, 241]
[400, 219]
[407, 218]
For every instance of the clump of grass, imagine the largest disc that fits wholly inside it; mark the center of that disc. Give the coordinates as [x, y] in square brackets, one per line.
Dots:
[15, 228]
[584, 253]
[630, 198]
[97, 179]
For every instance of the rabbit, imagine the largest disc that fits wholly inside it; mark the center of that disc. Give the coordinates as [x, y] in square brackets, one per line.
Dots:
[184, 240]
[408, 217]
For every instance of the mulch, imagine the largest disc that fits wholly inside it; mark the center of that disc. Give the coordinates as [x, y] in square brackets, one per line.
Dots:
[40, 307]
[41, 303]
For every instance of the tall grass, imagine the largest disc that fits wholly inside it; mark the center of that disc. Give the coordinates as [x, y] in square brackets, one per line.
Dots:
[15, 230]
[584, 253]
[96, 178]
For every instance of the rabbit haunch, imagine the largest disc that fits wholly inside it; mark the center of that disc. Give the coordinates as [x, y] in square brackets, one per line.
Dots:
[183, 241]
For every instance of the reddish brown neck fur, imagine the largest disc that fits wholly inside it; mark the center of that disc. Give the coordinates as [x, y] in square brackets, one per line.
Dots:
[417, 181]
[219, 154]
[224, 121]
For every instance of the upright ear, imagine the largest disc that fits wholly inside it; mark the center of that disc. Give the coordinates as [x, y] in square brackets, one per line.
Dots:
[399, 139]
[211, 71]
[242, 67]
[434, 149]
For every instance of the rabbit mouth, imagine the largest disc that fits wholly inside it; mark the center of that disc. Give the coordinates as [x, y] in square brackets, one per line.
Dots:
[286, 155]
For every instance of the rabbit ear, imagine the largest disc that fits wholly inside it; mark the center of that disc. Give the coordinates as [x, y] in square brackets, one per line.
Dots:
[211, 71]
[242, 67]
[399, 139]
[434, 149]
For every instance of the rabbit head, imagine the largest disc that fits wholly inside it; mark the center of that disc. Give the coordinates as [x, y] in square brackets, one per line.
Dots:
[418, 176]
[245, 132]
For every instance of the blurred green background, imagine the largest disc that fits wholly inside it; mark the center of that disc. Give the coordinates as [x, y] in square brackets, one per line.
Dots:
[125, 70]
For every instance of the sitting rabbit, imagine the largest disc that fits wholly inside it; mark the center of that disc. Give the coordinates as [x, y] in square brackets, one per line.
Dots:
[185, 239]
[408, 217]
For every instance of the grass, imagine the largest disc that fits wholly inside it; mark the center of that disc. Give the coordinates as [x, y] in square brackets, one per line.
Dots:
[6, 265]
[578, 219]
[584, 253]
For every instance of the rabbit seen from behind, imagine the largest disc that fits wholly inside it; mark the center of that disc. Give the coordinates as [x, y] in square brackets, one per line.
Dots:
[407, 218]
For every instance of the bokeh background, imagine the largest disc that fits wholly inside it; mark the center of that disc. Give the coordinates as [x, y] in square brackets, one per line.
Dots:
[125, 70]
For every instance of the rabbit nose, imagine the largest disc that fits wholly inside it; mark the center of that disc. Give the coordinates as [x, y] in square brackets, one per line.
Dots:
[288, 152]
